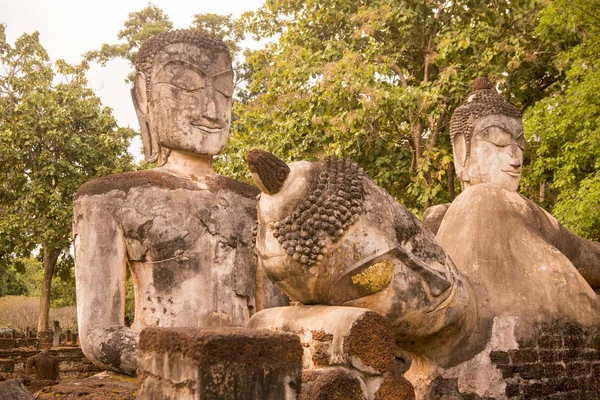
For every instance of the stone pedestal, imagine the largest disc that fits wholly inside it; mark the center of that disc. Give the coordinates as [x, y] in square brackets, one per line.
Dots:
[190, 363]
[349, 352]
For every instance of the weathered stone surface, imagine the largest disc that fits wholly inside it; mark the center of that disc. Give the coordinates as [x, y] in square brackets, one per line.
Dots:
[487, 139]
[347, 336]
[46, 366]
[187, 363]
[331, 383]
[103, 386]
[522, 268]
[5, 376]
[348, 352]
[559, 361]
[395, 386]
[13, 389]
[72, 362]
[184, 232]
[331, 236]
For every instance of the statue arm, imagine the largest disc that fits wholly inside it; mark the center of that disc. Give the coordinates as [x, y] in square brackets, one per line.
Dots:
[433, 217]
[583, 253]
[100, 272]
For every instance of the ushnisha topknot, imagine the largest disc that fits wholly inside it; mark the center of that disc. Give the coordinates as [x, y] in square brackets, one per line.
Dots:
[156, 43]
[484, 100]
[270, 171]
[151, 47]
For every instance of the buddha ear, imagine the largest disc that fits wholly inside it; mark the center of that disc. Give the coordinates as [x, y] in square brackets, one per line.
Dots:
[459, 146]
[140, 103]
[139, 95]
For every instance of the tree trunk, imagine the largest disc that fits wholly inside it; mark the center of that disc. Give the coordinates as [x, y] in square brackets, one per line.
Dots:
[50, 258]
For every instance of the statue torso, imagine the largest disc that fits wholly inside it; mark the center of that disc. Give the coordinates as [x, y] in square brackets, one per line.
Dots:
[189, 247]
[505, 245]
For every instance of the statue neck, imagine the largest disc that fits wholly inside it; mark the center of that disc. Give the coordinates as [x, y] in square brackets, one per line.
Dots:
[188, 165]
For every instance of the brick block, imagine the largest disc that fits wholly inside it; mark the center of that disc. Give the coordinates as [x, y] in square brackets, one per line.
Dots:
[240, 364]
[579, 368]
[530, 371]
[331, 383]
[513, 390]
[550, 342]
[524, 356]
[551, 356]
[500, 357]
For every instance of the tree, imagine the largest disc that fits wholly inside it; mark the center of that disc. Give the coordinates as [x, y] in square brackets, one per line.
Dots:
[151, 20]
[54, 136]
[140, 25]
[564, 127]
[377, 81]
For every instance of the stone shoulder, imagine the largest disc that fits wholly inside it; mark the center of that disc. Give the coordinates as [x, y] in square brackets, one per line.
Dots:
[126, 181]
[217, 183]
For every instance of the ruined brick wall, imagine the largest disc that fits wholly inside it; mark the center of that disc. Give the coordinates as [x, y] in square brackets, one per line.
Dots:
[562, 362]
[73, 363]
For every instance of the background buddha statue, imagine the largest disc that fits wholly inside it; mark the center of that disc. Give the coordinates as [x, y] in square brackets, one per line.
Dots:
[184, 232]
[521, 267]
[488, 143]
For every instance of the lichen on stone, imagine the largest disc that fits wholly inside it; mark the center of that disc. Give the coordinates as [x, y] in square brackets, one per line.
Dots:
[376, 277]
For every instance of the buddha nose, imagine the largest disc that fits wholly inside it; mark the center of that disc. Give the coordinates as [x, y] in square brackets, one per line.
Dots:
[516, 156]
[210, 109]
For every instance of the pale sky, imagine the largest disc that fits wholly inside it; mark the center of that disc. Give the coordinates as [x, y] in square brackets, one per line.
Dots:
[68, 28]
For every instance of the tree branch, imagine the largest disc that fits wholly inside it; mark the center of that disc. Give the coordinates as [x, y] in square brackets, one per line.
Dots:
[400, 74]
[432, 141]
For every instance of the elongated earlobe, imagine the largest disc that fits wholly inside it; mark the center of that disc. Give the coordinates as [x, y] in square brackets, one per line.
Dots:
[459, 146]
[140, 102]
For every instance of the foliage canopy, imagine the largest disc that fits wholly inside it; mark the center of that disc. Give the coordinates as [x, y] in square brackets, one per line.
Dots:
[54, 136]
[377, 81]
[564, 127]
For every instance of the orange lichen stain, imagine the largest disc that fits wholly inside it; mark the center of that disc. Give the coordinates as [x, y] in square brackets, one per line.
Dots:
[376, 277]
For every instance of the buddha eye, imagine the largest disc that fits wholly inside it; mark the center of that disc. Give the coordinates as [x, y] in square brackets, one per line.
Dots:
[520, 141]
[182, 77]
[499, 137]
[223, 83]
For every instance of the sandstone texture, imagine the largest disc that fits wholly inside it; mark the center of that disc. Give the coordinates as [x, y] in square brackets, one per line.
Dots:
[349, 353]
[331, 236]
[187, 363]
[184, 232]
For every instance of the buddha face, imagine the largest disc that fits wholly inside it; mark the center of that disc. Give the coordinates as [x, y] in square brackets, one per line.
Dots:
[496, 152]
[190, 98]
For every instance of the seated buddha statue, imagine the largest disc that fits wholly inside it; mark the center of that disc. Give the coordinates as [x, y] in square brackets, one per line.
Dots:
[184, 232]
[521, 267]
